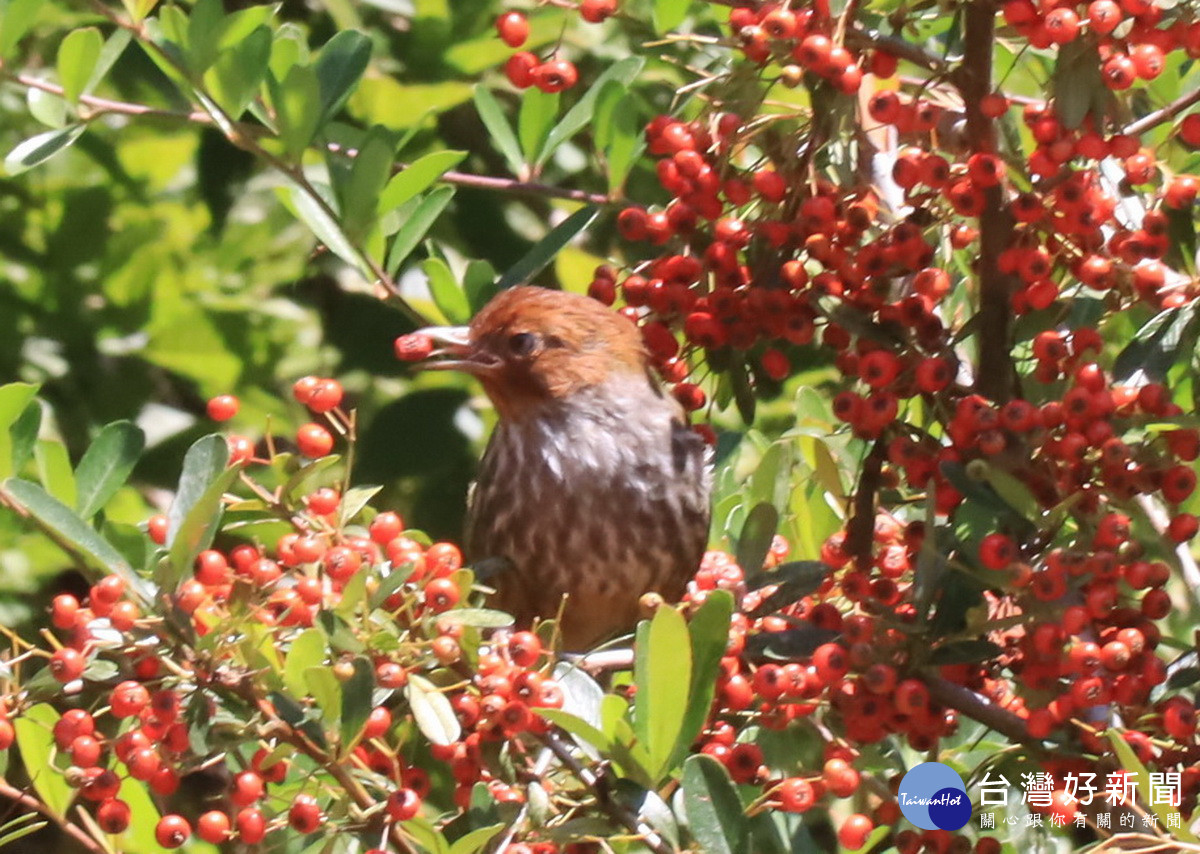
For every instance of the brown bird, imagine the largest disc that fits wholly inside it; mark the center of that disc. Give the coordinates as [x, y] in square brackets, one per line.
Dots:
[592, 486]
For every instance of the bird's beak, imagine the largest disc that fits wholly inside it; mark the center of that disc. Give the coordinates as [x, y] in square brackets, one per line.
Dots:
[455, 351]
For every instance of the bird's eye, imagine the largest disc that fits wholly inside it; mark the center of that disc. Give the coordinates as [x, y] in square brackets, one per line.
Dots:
[523, 343]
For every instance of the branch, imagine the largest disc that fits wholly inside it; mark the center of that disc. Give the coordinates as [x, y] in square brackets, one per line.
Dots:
[906, 50]
[30, 802]
[860, 529]
[1163, 114]
[508, 185]
[964, 700]
[973, 76]
[617, 811]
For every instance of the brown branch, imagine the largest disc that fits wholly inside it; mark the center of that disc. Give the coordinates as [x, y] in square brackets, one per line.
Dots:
[996, 378]
[508, 185]
[1163, 114]
[966, 701]
[30, 802]
[858, 37]
[617, 811]
[860, 529]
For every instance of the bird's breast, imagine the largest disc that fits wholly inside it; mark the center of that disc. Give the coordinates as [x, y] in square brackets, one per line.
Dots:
[602, 498]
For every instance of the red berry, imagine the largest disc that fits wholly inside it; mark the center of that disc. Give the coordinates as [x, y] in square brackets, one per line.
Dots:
[313, 440]
[67, 664]
[324, 501]
[172, 831]
[795, 794]
[251, 825]
[113, 816]
[304, 815]
[513, 28]
[223, 408]
[555, 75]
[854, 832]
[325, 396]
[156, 528]
[519, 70]
[596, 11]
[416, 345]
[213, 827]
[303, 388]
[403, 804]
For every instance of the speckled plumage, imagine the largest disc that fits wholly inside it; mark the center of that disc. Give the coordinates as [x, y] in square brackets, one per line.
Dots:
[592, 485]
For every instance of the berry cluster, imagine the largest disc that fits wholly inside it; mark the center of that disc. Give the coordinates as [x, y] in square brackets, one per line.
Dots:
[553, 74]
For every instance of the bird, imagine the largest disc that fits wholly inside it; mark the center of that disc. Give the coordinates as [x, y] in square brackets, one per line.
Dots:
[593, 490]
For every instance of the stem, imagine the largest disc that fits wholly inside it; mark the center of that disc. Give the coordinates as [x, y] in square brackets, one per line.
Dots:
[30, 802]
[599, 786]
[962, 699]
[860, 530]
[1163, 114]
[973, 76]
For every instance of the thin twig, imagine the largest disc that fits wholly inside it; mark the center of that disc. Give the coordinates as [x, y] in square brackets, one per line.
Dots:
[1170, 111]
[30, 802]
[615, 809]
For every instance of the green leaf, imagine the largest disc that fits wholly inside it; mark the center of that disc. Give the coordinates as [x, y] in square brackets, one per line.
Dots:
[38, 149]
[106, 465]
[714, 811]
[238, 72]
[139, 9]
[476, 841]
[579, 728]
[755, 540]
[297, 100]
[20, 827]
[317, 217]
[422, 218]
[195, 514]
[501, 131]
[662, 672]
[708, 632]
[73, 531]
[356, 700]
[544, 250]
[669, 14]
[354, 500]
[620, 73]
[479, 284]
[113, 48]
[54, 469]
[206, 25]
[743, 393]
[34, 729]
[535, 119]
[326, 692]
[417, 177]
[77, 57]
[23, 435]
[16, 18]
[15, 399]
[625, 146]
[447, 295]
[47, 108]
[341, 64]
[1161, 341]
[308, 650]
[432, 711]
[359, 194]
[795, 580]
[1130, 762]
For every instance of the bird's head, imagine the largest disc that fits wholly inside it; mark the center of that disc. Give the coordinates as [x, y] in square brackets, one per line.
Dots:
[532, 346]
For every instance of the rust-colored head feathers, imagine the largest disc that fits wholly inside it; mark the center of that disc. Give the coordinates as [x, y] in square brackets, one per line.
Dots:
[531, 345]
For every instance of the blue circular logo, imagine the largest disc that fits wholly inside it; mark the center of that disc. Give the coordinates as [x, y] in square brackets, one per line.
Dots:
[933, 797]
